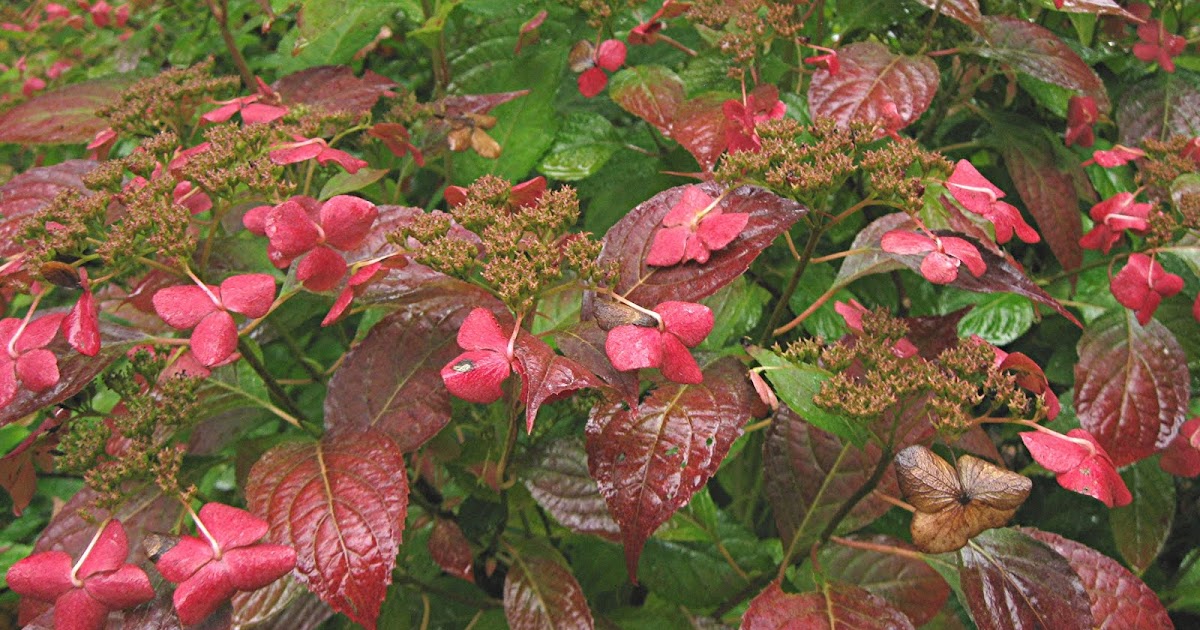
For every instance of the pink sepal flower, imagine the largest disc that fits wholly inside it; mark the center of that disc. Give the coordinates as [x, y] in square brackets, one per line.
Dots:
[354, 286]
[943, 254]
[305, 149]
[1142, 284]
[81, 326]
[609, 56]
[206, 309]
[1112, 217]
[340, 223]
[683, 325]
[978, 195]
[24, 359]
[84, 596]
[477, 374]
[1119, 155]
[1081, 464]
[1082, 115]
[1157, 45]
[647, 32]
[227, 558]
[760, 105]
[1029, 376]
[693, 229]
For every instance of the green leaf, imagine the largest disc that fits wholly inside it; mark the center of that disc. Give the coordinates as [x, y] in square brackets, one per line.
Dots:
[796, 384]
[584, 144]
[999, 318]
[736, 311]
[332, 32]
[430, 32]
[344, 182]
[824, 322]
[1141, 528]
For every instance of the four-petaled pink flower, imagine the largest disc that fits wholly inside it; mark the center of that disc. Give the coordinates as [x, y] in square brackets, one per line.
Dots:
[206, 308]
[300, 227]
[354, 286]
[977, 194]
[760, 105]
[397, 139]
[944, 254]
[647, 32]
[24, 359]
[1157, 45]
[476, 375]
[693, 229]
[83, 594]
[610, 56]
[1143, 284]
[1081, 464]
[1182, 457]
[256, 109]
[681, 325]
[304, 149]
[1119, 155]
[1113, 216]
[226, 558]
[1082, 114]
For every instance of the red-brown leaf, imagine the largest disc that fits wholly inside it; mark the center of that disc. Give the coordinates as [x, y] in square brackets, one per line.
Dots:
[699, 127]
[872, 77]
[63, 116]
[340, 503]
[584, 342]
[965, 11]
[1034, 50]
[25, 194]
[1013, 581]
[546, 375]
[1096, 7]
[392, 380]
[1131, 386]
[807, 475]
[1050, 195]
[649, 461]
[463, 104]
[285, 603]
[652, 93]
[558, 479]
[905, 582]
[836, 607]
[1159, 107]
[1118, 598]
[540, 592]
[628, 243]
[451, 550]
[334, 88]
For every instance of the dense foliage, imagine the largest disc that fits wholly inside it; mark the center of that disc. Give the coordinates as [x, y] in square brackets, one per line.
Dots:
[483, 314]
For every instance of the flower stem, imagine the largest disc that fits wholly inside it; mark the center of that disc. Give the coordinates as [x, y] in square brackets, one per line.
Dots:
[275, 388]
[814, 237]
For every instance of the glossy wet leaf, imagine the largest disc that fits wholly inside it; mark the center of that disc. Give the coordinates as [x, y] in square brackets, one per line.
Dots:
[557, 477]
[65, 115]
[699, 126]
[584, 144]
[1013, 581]
[905, 582]
[1118, 598]
[284, 602]
[450, 549]
[807, 476]
[540, 592]
[652, 93]
[340, 503]
[1160, 107]
[874, 85]
[1141, 528]
[628, 243]
[965, 11]
[649, 461]
[1095, 7]
[546, 376]
[334, 88]
[998, 319]
[1038, 52]
[835, 606]
[796, 384]
[1130, 392]
[1049, 192]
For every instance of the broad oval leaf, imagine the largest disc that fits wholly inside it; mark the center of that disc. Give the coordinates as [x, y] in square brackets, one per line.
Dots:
[1049, 193]
[834, 607]
[1036, 51]
[584, 343]
[904, 581]
[1013, 581]
[1119, 600]
[797, 384]
[652, 93]
[334, 88]
[284, 602]
[965, 11]
[340, 503]
[628, 243]
[1141, 528]
[699, 127]
[66, 115]
[392, 380]
[1131, 386]
[557, 477]
[29, 192]
[870, 82]
[807, 476]
[1160, 107]
[649, 461]
[541, 593]
[546, 375]
[451, 550]
[1096, 7]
